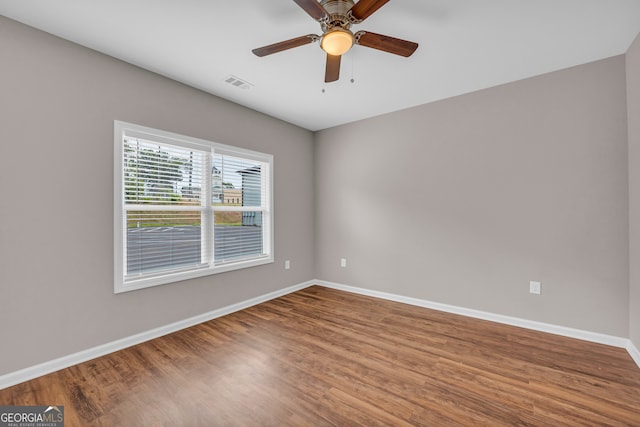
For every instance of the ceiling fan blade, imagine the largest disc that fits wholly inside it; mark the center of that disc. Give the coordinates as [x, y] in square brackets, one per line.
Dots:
[313, 8]
[287, 44]
[332, 72]
[364, 8]
[385, 43]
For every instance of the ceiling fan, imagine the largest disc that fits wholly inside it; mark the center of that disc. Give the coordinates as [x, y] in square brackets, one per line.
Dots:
[335, 18]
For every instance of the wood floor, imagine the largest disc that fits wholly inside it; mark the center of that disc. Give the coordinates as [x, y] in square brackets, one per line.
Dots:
[325, 357]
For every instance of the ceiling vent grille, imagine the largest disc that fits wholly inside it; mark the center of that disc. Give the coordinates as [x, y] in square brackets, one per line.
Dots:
[239, 83]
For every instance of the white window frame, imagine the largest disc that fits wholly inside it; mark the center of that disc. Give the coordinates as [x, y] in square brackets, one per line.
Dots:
[124, 130]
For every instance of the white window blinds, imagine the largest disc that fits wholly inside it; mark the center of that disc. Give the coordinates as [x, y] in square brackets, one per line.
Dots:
[238, 207]
[187, 207]
[163, 207]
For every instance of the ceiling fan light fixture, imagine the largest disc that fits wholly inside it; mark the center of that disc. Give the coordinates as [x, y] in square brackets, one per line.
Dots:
[337, 41]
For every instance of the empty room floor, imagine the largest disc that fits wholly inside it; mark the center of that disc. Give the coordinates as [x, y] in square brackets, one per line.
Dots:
[326, 357]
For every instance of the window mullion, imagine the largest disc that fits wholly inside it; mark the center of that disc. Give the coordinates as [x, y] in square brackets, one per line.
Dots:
[207, 229]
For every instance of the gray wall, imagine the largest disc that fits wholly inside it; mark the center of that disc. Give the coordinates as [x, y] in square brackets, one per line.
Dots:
[57, 106]
[466, 200]
[633, 114]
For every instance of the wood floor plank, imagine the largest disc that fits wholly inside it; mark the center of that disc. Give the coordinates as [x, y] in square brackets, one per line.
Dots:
[322, 357]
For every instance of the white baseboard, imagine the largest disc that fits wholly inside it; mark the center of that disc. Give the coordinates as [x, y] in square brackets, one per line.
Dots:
[32, 372]
[633, 352]
[499, 318]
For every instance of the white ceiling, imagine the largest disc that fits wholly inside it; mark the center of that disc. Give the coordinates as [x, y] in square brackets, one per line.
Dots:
[465, 45]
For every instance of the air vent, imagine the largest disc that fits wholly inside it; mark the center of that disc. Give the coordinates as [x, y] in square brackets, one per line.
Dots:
[239, 83]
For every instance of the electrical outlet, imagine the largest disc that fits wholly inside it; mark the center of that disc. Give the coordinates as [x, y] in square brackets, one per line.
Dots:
[287, 265]
[343, 262]
[535, 287]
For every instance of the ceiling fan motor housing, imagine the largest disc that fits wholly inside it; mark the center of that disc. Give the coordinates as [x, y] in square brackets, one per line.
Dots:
[338, 14]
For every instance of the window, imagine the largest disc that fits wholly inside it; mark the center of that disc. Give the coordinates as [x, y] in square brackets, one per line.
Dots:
[186, 207]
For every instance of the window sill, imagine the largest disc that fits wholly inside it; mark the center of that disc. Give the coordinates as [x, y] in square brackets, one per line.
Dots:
[172, 277]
